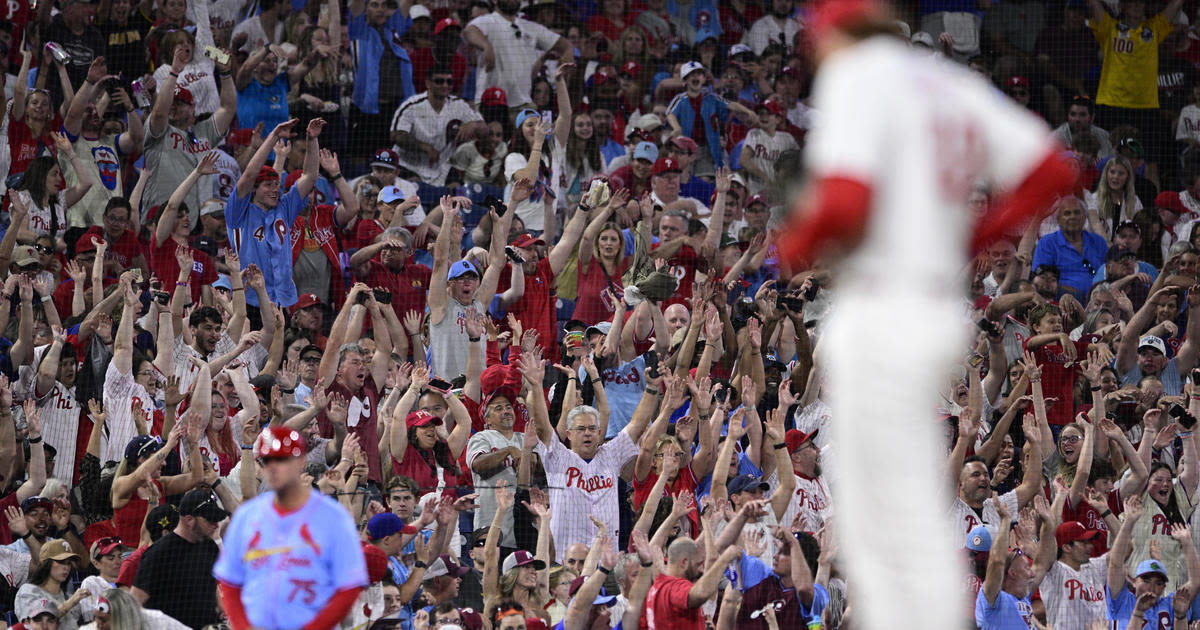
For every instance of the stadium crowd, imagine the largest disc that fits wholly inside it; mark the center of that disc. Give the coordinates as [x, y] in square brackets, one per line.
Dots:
[494, 284]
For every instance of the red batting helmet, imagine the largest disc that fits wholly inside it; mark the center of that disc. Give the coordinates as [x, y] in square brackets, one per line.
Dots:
[279, 443]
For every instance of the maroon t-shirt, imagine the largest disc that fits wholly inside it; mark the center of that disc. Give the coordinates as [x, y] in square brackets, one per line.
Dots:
[535, 309]
[362, 416]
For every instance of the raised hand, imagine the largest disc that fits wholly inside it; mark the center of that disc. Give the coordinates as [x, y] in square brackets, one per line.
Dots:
[337, 408]
[329, 162]
[208, 163]
[412, 322]
[284, 129]
[314, 128]
[16, 521]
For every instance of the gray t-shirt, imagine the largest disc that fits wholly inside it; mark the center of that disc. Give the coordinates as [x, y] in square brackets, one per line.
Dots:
[448, 340]
[482, 443]
[29, 598]
[172, 155]
[311, 273]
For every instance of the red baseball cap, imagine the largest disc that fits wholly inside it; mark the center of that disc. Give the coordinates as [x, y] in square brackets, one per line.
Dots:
[1169, 199]
[631, 68]
[666, 165]
[266, 173]
[526, 241]
[1073, 531]
[1015, 81]
[420, 418]
[505, 391]
[377, 562]
[292, 178]
[684, 143]
[86, 243]
[305, 301]
[772, 106]
[444, 24]
[757, 198]
[796, 438]
[493, 97]
[240, 137]
[279, 442]
[792, 71]
[185, 95]
[602, 76]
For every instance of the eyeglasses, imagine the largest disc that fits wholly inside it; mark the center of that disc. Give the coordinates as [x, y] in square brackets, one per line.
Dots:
[146, 373]
[1069, 439]
[588, 429]
[43, 249]
[441, 81]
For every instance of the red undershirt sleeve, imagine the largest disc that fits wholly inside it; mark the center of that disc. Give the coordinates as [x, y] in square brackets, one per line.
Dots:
[335, 610]
[231, 600]
[838, 220]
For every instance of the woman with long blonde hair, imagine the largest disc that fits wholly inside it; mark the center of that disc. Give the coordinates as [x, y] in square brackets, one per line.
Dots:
[1114, 198]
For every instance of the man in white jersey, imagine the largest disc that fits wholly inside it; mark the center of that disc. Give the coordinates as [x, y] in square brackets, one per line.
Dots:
[583, 480]
[810, 504]
[1073, 589]
[53, 387]
[890, 186]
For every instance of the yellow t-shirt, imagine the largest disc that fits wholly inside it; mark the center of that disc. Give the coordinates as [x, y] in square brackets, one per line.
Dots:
[1129, 76]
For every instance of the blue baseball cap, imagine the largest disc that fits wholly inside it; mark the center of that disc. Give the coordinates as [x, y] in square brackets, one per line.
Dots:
[979, 539]
[141, 445]
[462, 268]
[223, 282]
[1149, 566]
[526, 113]
[742, 483]
[645, 151]
[382, 525]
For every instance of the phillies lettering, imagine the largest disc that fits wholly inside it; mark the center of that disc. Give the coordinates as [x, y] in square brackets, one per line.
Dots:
[591, 484]
[1078, 590]
[1160, 525]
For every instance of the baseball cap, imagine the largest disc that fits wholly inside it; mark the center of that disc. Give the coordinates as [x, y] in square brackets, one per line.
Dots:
[1073, 531]
[445, 565]
[728, 240]
[266, 173]
[417, 11]
[666, 165]
[524, 115]
[87, 243]
[104, 546]
[526, 240]
[772, 106]
[44, 606]
[796, 438]
[386, 158]
[1150, 341]
[1016, 81]
[742, 483]
[601, 328]
[645, 151]
[520, 558]
[445, 23]
[214, 206]
[162, 518]
[305, 301]
[462, 268]
[391, 194]
[385, 524]
[420, 418]
[1133, 145]
[185, 95]
[377, 562]
[203, 503]
[738, 49]
[471, 620]
[493, 97]
[1128, 223]
[791, 71]
[1041, 269]
[505, 391]
[479, 537]
[602, 598]
[602, 76]
[309, 349]
[1169, 199]
[757, 198]
[684, 143]
[291, 179]
[141, 446]
[690, 67]
[33, 503]
[26, 255]
[492, 378]
[922, 38]
[705, 33]
[1150, 565]
[737, 178]
[979, 539]
[57, 549]
[631, 68]
[278, 442]
[1117, 252]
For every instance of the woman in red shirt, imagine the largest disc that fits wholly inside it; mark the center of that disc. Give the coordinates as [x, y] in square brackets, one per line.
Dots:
[602, 262]
[137, 486]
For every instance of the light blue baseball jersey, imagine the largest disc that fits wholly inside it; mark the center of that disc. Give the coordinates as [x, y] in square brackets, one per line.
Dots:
[1120, 608]
[290, 565]
[262, 237]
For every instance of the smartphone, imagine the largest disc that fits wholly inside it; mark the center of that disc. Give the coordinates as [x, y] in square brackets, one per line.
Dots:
[137, 275]
[383, 296]
[1181, 415]
[440, 385]
[652, 363]
[548, 117]
[791, 303]
[492, 202]
[810, 293]
[975, 360]
[362, 298]
[512, 254]
[989, 327]
[162, 297]
[216, 54]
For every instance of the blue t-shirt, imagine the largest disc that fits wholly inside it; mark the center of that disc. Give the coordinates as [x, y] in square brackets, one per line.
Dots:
[262, 237]
[1121, 608]
[266, 104]
[1007, 613]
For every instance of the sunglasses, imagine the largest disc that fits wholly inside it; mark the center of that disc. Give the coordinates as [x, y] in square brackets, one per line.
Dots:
[43, 249]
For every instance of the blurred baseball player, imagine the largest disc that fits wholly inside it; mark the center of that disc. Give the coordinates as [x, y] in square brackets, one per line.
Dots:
[291, 557]
[902, 140]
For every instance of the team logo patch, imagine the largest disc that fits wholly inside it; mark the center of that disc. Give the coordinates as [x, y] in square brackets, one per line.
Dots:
[977, 540]
[1147, 34]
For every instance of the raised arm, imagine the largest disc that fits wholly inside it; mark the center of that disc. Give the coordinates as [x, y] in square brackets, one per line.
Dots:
[994, 578]
[283, 131]
[706, 586]
[1186, 359]
[1127, 349]
[123, 344]
[312, 165]
[1122, 545]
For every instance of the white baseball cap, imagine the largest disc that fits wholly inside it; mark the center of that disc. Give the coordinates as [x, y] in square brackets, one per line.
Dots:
[689, 68]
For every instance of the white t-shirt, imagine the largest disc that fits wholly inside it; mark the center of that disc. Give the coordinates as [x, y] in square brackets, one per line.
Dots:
[518, 45]
[227, 175]
[417, 117]
[766, 30]
[1074, 599]
[920, 180]
[533, 211]
[579, 488]
[763, 152]
[1188, 127]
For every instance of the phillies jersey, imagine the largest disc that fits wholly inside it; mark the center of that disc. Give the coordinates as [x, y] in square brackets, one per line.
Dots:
[121, 392]
[289, 565]
[260, 237]
[1120, 608]
[579, 488]
[1074, 599]
[60, 417]
[963, 519]
[810, 502]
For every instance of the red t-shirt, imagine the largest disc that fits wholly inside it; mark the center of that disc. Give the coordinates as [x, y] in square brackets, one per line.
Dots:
[426, 472]
[163, 265]
[592, 306]
[1086, 514]
[685, 481]
[1058, 379]
[24, 146]
[698, 131]
[123, 250]
[623, 177]
[366, 231]
[535, 309]
[129, 567]
[667, 606]
[64, 294]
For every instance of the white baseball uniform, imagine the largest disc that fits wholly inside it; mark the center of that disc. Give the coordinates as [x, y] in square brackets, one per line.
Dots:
[763, 151]
[810, 502]
[121, 392]
[1075, 599]
[579, 488]
[60, 417]
[963, 519]
[918, 133]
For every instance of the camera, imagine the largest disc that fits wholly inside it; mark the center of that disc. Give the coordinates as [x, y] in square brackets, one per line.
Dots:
[383, 296]
[1181, 415]
[989, 327]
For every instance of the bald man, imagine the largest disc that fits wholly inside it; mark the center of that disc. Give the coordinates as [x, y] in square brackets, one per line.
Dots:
[677, 316]
[677, 593]
[575, 556]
